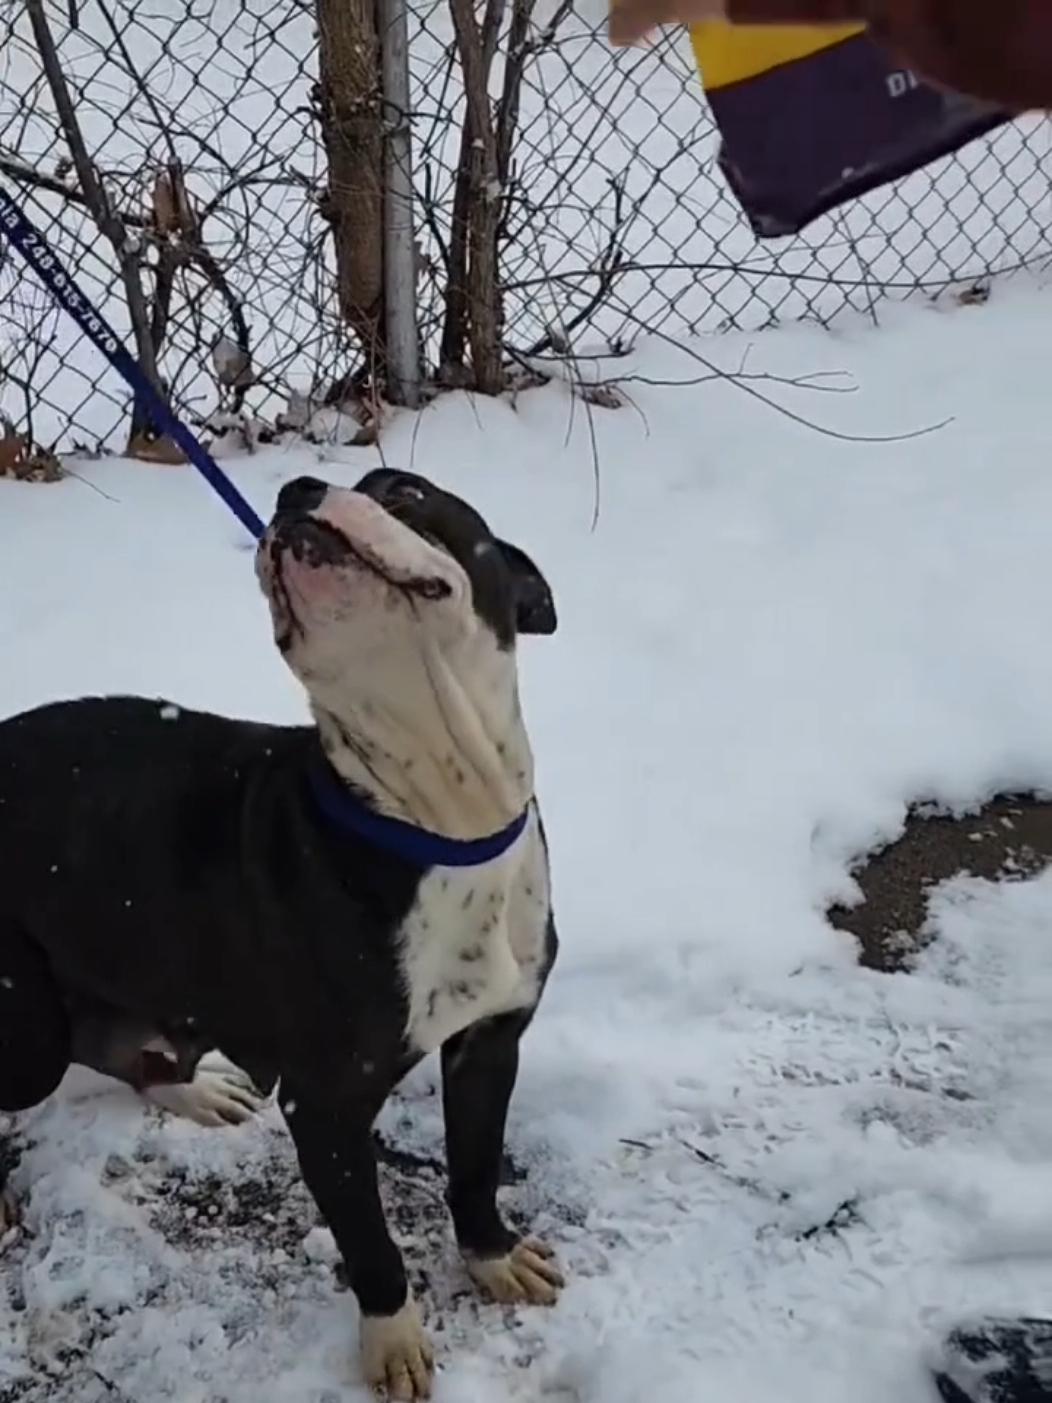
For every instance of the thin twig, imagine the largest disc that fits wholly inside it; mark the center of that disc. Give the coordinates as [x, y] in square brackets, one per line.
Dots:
[546, 37]
[746, 388]
[136, 77]
[608, 267]
[760, 271]
[38, 180]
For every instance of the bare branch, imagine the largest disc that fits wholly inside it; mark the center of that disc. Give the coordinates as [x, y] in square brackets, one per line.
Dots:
[97, 201]
[744, 384]
[37, 180]
[608, 266]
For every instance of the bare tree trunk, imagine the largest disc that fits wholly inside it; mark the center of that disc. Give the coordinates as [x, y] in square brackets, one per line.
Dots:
[455, 320]
[350, 105]
[400, 324]
[455, 317]
[484, 305]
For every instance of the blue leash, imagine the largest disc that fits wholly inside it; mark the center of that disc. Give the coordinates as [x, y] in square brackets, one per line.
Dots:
[33, 247]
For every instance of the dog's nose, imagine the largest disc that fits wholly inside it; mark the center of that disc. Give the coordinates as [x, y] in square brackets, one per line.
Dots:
[301, 495]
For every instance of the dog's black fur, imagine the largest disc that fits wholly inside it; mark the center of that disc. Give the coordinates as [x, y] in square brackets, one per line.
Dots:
[169, 872]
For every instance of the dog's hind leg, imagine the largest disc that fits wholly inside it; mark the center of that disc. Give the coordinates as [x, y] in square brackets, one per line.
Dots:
[34, 1026]
[165, 1068]
[34, 1035]
[129, 1049]
[219, 1093]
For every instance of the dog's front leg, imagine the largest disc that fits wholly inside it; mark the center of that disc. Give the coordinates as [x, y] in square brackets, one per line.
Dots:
[479, 1067]
[334, 1145]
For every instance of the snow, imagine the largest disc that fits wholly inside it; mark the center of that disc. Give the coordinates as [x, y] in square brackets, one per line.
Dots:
[771, 1175]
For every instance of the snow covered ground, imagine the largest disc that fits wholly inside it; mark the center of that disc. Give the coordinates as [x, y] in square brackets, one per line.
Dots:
[770, 1174]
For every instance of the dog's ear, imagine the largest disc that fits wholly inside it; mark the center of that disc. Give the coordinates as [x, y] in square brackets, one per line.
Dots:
[534, 604]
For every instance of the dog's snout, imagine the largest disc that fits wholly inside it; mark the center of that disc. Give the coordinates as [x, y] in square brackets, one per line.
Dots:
[301, 495]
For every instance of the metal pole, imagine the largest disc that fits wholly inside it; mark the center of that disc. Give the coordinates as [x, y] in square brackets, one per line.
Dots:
[403, 341]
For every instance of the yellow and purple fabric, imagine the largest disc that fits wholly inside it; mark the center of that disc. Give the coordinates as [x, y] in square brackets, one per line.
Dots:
[810, 118]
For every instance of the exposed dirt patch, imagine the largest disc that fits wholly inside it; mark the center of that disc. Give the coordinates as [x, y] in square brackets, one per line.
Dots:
[1008, 839]
[267, 1207]
[241, 1248]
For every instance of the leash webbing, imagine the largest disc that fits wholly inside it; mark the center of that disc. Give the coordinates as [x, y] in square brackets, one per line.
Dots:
[34, 248]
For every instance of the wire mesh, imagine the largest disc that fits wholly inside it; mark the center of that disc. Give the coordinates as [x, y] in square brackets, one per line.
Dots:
[616, 222]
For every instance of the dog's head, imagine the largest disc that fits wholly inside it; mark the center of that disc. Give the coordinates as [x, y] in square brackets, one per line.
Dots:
[398, 609]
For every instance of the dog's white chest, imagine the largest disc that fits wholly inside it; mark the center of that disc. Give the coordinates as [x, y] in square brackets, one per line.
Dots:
[473, 944]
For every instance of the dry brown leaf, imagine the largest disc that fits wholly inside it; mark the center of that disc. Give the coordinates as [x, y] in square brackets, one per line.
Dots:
[21, 459]
[14, 449]
[602, 396]
[42, 466]
[366, 436]
[164, 205]
[170, 205]
[155, 450]
[368, 413]
[974, 296]
[187, 218]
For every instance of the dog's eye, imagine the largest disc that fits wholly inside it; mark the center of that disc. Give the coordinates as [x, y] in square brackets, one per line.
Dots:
[401, 490]
[434, 589]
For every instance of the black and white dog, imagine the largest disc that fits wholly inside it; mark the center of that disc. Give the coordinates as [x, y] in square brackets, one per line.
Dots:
[204, 907]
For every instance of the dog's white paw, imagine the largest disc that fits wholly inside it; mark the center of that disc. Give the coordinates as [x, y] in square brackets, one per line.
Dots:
[526, 1276]
[220, 1094]
[397, 1358]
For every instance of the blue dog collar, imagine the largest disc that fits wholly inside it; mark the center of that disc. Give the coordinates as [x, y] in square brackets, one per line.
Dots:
[416, 845]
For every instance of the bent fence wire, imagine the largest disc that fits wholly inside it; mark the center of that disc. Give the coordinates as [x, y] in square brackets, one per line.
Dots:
[613, 169]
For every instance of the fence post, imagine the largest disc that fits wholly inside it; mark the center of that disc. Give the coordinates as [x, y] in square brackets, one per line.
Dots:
[403, 342]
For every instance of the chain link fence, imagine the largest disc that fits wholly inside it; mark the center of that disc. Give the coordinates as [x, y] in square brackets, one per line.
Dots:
[614, 222]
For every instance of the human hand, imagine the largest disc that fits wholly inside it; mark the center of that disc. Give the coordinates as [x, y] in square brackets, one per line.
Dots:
[632, 20]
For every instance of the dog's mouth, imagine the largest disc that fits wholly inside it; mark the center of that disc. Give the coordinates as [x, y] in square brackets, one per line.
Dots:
[319, 544]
